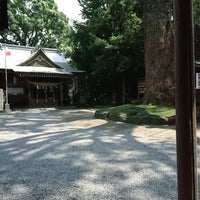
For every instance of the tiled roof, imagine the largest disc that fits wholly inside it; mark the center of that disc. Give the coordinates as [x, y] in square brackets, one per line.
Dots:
[18, 55]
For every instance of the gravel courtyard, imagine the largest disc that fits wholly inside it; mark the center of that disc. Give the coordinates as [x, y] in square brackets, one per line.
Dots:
[66, 154]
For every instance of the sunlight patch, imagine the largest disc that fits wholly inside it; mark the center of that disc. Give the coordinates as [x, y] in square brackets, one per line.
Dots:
[20, 189]
[112, 139]
[89, 123]
[83, 142]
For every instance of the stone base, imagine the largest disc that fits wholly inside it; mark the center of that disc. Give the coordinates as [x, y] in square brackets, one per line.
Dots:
[7, 107]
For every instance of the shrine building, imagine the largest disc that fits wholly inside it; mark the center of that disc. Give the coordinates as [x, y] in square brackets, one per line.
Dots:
[36, 77]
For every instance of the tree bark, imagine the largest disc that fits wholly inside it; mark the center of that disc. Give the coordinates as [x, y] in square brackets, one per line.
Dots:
[159, 52]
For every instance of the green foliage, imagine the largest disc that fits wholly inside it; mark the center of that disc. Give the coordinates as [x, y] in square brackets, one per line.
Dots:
[108, 44]
[196, 12]
[138, 114]
[36, 22]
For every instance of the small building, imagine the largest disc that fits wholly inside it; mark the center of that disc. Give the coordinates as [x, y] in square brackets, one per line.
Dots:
[36, 77]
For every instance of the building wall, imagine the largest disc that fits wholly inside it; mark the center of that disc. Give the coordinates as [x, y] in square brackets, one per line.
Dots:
[23, 91]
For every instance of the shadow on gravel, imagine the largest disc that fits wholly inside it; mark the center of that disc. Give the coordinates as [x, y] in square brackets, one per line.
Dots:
[44, 156]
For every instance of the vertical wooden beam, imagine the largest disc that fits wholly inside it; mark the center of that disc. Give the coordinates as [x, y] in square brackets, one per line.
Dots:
[45, 95]
[37, 99]
[3, 15]
[53, 94]
[185, 102]
[61, 94]
[29, 95]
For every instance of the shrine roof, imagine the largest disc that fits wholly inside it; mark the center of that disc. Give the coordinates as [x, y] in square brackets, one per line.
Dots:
[34, 59]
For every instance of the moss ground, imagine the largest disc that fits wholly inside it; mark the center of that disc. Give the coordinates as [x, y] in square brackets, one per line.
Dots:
[139, 114]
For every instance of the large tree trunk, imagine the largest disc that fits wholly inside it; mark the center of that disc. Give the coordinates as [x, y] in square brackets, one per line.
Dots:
[159, 52]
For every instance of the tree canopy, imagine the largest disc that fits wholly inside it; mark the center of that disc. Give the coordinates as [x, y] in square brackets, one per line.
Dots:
[109, 45]
[36, 22]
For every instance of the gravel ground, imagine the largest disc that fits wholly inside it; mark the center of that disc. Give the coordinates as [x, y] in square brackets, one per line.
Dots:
[50, 154]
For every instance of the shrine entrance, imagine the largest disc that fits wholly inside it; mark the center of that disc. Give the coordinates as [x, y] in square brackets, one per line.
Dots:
[44, 94]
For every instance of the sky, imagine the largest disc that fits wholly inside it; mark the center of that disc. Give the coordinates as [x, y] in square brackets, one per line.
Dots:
[70, 8]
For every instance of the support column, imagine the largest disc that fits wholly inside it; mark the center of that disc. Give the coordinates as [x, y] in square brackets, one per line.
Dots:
[53, 94]
[29, 95]
[61, 94]
[37, 100]
[45, 94]
[185, 102]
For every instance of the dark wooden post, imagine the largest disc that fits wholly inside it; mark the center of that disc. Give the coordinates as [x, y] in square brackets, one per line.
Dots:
[185, 102]
[29, 95]
[61, 94]
[3, 15]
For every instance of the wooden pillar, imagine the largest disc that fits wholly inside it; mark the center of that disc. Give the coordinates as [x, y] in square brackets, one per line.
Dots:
[37, 100]
[54, 96]
[185, 102]
[3, 15]
[45, 94]
[29, 95]
[61, 94]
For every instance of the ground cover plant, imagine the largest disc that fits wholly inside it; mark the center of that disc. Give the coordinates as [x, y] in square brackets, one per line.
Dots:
[138, 114]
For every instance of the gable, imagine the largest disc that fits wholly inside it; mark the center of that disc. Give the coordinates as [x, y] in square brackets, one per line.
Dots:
[39, 59]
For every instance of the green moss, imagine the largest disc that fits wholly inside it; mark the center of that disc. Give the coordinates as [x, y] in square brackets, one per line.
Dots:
[138, 114]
